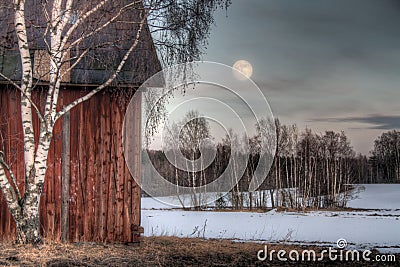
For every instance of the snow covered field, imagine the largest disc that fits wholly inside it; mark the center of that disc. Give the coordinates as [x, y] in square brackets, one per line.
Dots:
[378, 227]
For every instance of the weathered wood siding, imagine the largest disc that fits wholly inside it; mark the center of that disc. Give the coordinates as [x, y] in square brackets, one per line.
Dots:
[104, 198]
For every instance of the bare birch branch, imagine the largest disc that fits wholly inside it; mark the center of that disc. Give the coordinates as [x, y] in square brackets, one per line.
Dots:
[119, 13]
[81, 20]
[67, 15]
[37, 110]
[8, 191]
[78, 59]
[12, 176]
[10, 81]
[109, 81]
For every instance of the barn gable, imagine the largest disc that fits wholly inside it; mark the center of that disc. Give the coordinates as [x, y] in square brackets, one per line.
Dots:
[111, 45]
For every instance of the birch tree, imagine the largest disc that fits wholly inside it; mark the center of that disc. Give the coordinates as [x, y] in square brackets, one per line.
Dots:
[71, 32]
[385, 157]
[194, 129]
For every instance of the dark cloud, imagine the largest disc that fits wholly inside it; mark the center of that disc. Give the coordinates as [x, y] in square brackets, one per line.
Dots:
[379, 122]
[281, 84]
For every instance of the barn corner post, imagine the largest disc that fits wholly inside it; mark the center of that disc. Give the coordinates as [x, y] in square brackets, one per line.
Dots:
[132, 142]
[65, 176]
[138, 163]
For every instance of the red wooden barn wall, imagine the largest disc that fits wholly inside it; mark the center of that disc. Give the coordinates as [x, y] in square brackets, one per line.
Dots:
[104, 198]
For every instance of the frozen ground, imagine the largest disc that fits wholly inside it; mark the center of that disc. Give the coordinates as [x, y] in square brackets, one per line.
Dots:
[378, 227]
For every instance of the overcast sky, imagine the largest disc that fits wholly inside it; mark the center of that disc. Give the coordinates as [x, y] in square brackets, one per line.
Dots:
[326, 64]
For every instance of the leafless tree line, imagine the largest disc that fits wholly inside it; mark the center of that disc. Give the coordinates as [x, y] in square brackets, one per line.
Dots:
[310, 170]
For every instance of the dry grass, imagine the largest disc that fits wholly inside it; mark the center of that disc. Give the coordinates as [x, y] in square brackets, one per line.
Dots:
[334, 209]
[154, 251]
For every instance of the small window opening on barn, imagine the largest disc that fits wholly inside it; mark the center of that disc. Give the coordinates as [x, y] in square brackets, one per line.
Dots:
[41, 66]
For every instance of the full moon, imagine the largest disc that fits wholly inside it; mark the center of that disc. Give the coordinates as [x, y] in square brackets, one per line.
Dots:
[244, 67]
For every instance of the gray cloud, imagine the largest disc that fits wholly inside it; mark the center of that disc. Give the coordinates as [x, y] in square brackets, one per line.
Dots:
[319, 59]
[379, 122]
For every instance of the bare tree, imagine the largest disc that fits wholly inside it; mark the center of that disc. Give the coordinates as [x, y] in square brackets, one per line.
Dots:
[70, 34]
[264, 127]
[385, 157]
[194, 129]
[171, 139]
[232, 140]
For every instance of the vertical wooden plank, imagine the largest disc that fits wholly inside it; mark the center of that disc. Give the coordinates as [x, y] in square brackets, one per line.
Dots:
[14, 135]
[127, 206]
[82, 177]
[112, 186]
[111, 205]
[88, 167]
[74, 178]
[102, 189]
[120, 173]
[98, 175]
[90, 106]
[125, 183]
[8, 120]
[4, 130]
[78, 142]
[106, 173]
[57, 179]
[137, 172]
[65, 178]
[133, 145]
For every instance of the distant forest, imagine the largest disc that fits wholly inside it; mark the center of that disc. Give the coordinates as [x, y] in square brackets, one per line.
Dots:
[310, 170]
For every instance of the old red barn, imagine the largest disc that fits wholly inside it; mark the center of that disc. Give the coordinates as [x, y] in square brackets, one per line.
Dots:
[100, 200]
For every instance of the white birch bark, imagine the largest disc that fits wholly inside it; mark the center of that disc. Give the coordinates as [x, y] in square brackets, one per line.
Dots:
[26, 85]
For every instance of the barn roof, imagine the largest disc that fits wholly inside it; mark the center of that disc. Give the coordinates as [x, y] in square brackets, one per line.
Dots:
[111, 45]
